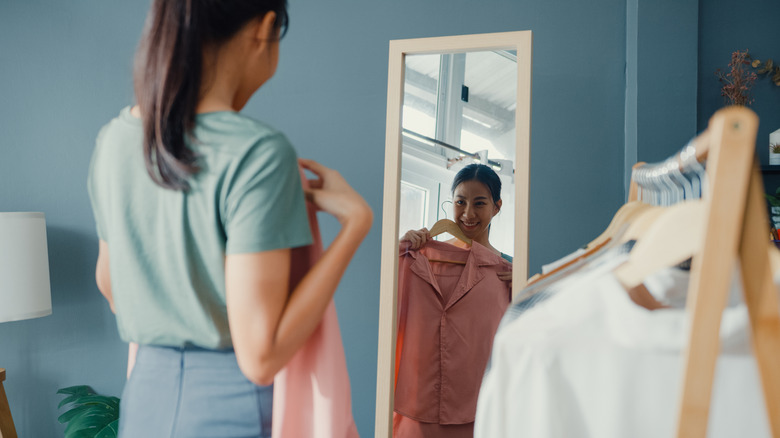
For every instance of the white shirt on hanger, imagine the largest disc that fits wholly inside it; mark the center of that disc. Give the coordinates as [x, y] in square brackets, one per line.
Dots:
[588, 362]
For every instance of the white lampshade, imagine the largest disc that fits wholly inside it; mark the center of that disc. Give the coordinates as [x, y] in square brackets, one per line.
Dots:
[24, 267]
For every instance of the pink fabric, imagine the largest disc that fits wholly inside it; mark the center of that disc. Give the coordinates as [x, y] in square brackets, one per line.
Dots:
[312, 396]
[404, 427]
[445, 335]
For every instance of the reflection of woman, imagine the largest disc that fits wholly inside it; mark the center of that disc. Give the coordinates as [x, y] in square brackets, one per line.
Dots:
[476, 199]
[200, 207]
[450, 302]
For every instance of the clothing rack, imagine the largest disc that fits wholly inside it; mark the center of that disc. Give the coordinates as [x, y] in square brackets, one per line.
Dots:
[448, 146]
[734, 229]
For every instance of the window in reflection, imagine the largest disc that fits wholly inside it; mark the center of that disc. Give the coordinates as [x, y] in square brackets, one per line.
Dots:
[421, 94]
[454, 105]
[414, 214]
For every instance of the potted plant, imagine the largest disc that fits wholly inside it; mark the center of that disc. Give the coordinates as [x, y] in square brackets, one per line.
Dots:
[90, 415]
[774, 208]
[736, 84]
[774, 148]
[770, 70]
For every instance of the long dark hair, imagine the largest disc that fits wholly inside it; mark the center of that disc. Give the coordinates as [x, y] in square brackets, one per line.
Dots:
[483, 174]
[168, 73]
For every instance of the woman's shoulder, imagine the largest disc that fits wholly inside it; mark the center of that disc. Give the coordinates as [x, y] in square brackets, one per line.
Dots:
[238, 132]
[236, 124]
[119, 129]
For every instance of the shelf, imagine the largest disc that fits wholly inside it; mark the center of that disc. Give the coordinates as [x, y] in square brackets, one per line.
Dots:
[770, 169]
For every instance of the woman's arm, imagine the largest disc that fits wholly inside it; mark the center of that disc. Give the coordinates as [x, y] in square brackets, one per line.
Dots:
[267, 323]
[132, 352]
[103, 275]
[103, 279]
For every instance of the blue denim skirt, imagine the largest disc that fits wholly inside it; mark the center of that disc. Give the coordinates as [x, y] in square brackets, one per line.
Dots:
[192, 392]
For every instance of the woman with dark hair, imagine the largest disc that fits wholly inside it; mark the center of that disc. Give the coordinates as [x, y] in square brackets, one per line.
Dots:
[476, 199]
[198, 207]
[450, 303]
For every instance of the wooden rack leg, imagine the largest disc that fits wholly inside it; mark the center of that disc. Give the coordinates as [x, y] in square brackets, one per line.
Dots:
[732, 139]
[761, 298]
[7, 429]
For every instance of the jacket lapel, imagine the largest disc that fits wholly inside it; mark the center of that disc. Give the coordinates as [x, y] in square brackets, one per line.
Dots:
[422, 268]
[472, 275]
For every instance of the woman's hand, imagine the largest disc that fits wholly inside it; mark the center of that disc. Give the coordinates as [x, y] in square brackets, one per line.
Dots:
[417, 238]
[506, 276]
[333, 195]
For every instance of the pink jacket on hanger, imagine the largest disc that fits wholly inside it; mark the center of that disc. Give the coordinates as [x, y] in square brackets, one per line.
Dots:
[312, 396]
[448, 314]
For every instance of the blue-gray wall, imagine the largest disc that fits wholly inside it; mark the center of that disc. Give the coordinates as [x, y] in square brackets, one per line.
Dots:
[65, 70]
[726, 27]
[661, 67]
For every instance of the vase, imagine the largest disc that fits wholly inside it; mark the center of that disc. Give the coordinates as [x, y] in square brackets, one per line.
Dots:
[774, 140]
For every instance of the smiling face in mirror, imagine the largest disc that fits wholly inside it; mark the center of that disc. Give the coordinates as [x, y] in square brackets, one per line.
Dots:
[457, 162]
[476, 201]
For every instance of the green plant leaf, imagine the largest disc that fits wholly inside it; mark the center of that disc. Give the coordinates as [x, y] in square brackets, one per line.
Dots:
[95, 421]
[86, 433]
[78, 389]
[89, 413]
[110, 431]
[773, 201]
[102, 400]
[70, 414]
[76, 392]
[93, 411]
[93, 399]
[72, 389]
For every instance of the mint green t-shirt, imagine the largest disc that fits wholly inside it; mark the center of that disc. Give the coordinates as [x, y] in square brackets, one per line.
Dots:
[167, 248]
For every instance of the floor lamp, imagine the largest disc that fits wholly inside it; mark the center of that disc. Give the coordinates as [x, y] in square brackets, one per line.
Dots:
[24, 283]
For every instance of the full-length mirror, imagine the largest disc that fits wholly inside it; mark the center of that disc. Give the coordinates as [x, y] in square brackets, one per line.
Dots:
[455, 223]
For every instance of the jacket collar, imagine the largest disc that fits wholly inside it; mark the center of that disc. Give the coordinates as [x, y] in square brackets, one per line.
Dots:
[478, 257]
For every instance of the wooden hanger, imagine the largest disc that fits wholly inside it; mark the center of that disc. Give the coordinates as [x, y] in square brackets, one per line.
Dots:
[448, 226]
[625, 215]
[586, 254]
[665, 237]
[642, 223]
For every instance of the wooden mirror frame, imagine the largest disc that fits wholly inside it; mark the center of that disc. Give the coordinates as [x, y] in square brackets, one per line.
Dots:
[521, 42]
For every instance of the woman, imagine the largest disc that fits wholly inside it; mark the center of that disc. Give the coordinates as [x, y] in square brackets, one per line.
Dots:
[448, 314]
[476, 199]
[197, 209]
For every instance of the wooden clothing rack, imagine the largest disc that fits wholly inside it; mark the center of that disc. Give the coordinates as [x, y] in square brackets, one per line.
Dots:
[734, 229]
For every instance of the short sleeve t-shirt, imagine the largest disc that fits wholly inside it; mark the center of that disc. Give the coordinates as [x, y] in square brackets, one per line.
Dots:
[167, 248]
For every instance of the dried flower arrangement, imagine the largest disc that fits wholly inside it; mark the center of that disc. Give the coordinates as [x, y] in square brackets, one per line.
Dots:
[738, 81]
[767, 68]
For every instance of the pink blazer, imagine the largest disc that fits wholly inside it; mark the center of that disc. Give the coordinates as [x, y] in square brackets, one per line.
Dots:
[312, 396]
[445, 334]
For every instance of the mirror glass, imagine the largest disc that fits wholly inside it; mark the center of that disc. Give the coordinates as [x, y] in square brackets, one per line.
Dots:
[457, 109]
